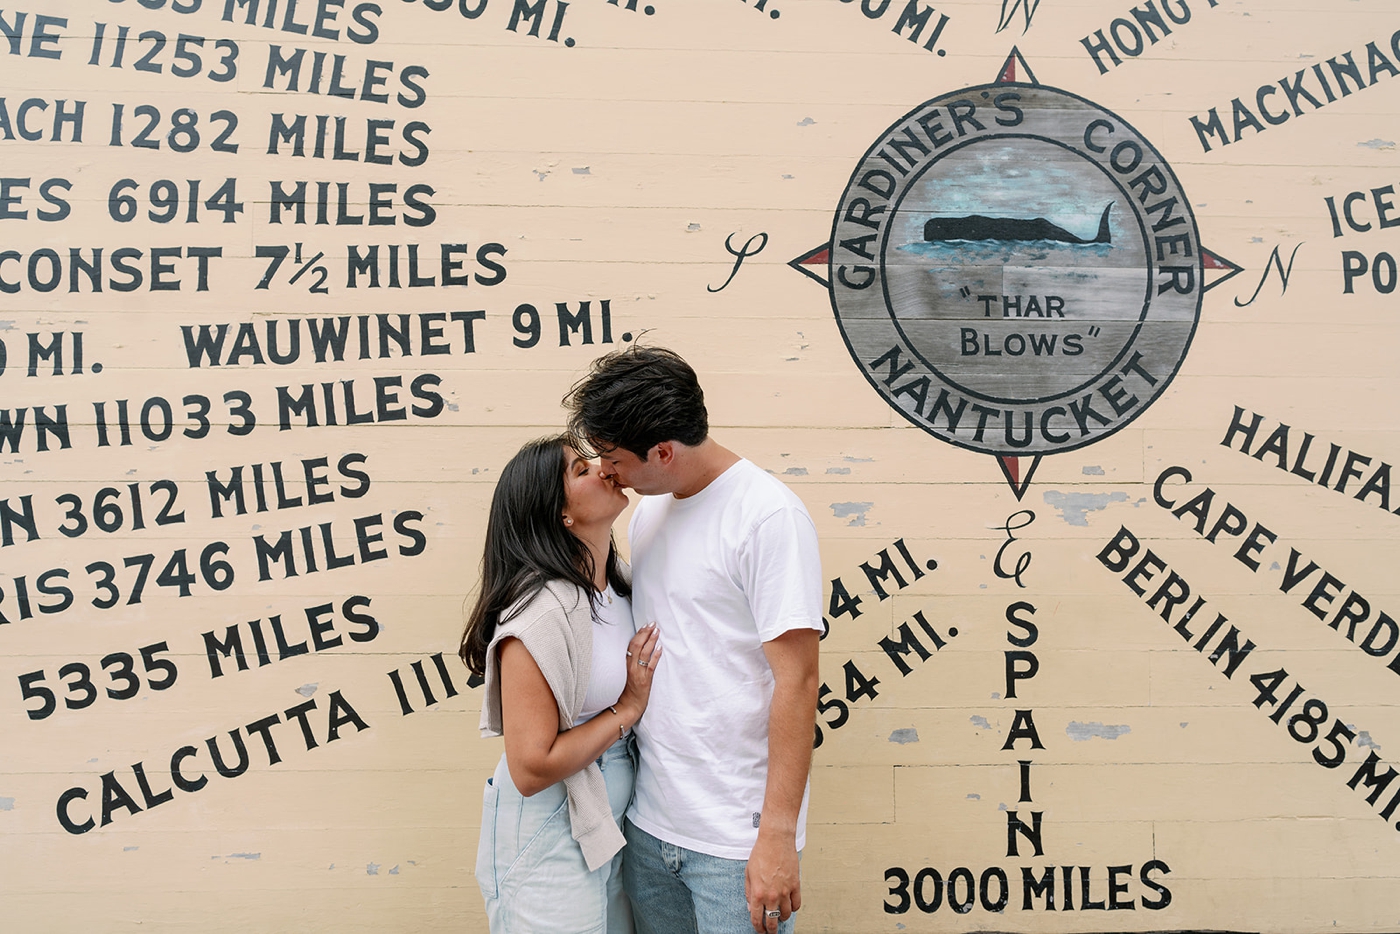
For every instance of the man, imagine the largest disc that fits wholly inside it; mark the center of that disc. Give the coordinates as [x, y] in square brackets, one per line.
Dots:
[724, 558]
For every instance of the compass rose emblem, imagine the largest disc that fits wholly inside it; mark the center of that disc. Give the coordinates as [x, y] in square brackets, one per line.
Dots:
[1015, 270]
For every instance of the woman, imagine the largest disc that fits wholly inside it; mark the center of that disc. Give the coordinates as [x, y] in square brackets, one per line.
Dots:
[566, 680]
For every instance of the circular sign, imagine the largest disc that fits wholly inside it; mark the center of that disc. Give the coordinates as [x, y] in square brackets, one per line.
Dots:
[1015, 269]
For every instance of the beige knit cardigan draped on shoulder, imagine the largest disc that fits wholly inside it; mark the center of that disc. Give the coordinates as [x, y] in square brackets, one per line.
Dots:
[555, 624]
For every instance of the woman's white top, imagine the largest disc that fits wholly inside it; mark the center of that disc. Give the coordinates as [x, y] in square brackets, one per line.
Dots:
[613, 628]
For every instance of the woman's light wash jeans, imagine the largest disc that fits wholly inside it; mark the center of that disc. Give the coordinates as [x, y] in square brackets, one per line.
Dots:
[530, 868]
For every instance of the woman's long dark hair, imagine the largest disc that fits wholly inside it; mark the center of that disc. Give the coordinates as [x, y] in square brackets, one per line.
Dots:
[527, 544]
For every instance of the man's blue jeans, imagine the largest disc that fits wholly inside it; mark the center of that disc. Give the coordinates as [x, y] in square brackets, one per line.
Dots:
[679, 891]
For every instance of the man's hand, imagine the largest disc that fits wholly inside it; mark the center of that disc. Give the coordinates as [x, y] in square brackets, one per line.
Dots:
[772, 881]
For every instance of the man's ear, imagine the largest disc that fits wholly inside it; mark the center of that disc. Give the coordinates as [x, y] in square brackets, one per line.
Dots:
[665, 452]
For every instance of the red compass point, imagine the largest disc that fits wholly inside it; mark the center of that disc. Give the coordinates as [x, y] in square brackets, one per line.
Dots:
[1214, 263]
[813, 264]
[1011, 469]
[1016, 70]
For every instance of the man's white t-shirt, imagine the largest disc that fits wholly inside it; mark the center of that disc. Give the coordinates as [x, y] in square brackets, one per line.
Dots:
[721, 572]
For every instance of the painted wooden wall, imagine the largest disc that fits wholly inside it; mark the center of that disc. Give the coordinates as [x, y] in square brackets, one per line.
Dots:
[285, 284]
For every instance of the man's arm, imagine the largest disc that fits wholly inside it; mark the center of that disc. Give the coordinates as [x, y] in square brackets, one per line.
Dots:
[772, 880]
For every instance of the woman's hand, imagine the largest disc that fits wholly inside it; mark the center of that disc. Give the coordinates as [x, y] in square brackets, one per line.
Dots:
[643, 652]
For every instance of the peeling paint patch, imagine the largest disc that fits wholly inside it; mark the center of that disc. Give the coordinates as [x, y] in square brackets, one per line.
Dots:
[582, 170]
[1092, 471]
[128, 849]
[372, 869]
[306, 690]
[7, 804]
[806, 121]
[838, 470]
[245, 856]
[1080, 732]
[1363, 738]
[996, 695]
[692, 227]
[1184, 723]
[859, 460]
[1377, 144]
[979, 721]
[974, 796]
[854, 511]
[905, 735]
[795, 472]
[394, 871]
[1002, 806]
[1075, 507]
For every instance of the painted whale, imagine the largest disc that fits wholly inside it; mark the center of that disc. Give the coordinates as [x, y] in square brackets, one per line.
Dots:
[980, 227]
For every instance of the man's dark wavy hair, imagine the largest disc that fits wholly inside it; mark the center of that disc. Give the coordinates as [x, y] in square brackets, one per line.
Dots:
[634, 399]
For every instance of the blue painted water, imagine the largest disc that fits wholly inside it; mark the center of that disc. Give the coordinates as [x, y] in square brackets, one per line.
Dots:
[984, 252]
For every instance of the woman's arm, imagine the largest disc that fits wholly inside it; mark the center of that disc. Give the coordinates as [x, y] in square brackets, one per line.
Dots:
[537, 753]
